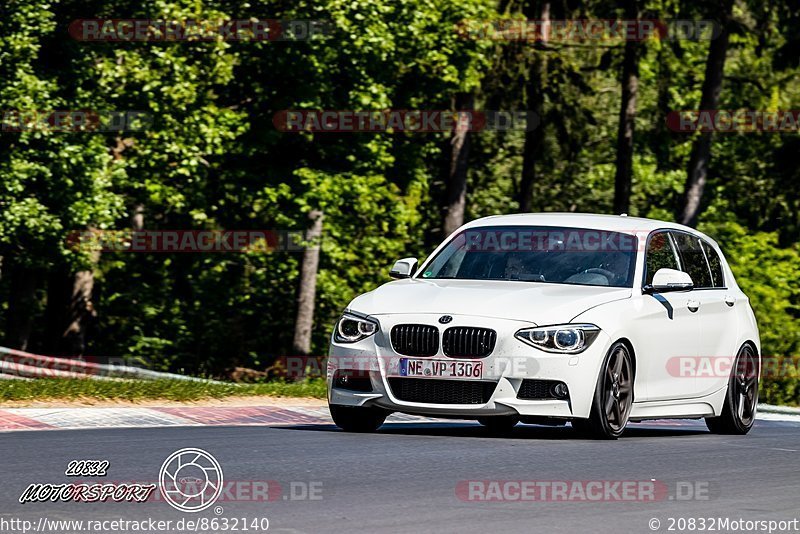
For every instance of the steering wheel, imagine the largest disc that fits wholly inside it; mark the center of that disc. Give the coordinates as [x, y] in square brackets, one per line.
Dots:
[608, 274]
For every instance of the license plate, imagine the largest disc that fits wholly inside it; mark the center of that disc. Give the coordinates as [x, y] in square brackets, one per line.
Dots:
[440, 369]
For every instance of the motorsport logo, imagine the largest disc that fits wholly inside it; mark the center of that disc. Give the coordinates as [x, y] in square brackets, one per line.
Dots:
[190, 480]
[82, 492]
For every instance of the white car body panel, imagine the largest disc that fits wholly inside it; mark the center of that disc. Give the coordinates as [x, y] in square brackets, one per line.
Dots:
[533, 303]
[716, 329]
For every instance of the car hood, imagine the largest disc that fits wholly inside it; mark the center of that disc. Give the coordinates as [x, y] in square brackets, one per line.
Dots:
[535, 302]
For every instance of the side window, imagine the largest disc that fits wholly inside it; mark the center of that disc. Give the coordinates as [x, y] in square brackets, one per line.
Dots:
[660, 254]
[715, 264]
[693, 261]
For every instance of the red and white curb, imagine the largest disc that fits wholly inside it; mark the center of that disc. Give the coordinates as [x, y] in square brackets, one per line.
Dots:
[15, 419]
[12, 419]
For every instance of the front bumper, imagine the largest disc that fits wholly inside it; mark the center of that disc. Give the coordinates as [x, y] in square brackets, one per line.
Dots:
[511, 362]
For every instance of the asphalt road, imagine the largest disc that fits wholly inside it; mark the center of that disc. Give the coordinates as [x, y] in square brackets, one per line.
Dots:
[405, 478]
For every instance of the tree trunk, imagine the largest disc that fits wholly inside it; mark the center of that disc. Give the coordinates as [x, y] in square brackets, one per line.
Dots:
[308, 286]
[137, 219]
[534, 94]
[81, 310]
[662, 135]
[59, 290]
[21, 307]
[456, 187]
[701, 151]
[627, 116]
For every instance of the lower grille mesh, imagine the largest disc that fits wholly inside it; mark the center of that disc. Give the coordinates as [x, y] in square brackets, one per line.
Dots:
[434, 391]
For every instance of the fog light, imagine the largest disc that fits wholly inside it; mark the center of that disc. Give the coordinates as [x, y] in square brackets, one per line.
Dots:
[560, 390]
[353, 380]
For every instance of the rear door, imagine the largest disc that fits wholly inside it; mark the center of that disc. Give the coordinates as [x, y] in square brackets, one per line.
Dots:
[718, 325]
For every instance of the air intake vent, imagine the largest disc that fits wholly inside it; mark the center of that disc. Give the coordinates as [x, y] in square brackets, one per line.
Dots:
[434, 391]
[415, 339]
[468, 342]
[542, 390]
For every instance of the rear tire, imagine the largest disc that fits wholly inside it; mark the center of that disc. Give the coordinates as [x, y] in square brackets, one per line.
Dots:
[499, 424]
[739, 411]
[357, 419]
[613, 396]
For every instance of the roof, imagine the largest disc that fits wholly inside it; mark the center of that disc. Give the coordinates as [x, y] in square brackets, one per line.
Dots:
[613, 223]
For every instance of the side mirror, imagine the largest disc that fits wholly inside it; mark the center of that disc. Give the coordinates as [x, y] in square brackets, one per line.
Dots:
[666, 280]
[404, 268]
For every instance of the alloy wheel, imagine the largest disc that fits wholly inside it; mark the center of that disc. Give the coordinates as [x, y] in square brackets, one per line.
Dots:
[745, 386]
[618, 389]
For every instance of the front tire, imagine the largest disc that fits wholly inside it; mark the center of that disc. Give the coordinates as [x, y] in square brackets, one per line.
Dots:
[613, 397]
[357, 419]
[739, 411]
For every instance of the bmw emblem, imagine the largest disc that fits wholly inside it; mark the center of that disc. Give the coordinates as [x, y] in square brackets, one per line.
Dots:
[444, 319]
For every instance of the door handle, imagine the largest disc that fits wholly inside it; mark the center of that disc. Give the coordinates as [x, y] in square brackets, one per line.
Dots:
[730, 301]
[693, 305]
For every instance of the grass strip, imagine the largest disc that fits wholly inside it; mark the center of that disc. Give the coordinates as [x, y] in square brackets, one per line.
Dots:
[133, 390]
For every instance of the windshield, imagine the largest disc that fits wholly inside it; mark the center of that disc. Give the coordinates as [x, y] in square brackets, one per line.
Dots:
[537, 254]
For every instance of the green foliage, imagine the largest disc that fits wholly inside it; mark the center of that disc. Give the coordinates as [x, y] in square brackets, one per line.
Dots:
[368, 225]
[212, 158]
[768, 274]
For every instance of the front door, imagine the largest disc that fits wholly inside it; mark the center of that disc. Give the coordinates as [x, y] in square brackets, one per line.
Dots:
[669, 329]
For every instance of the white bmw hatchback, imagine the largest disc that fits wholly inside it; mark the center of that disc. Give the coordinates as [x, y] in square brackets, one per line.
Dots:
[547, 318]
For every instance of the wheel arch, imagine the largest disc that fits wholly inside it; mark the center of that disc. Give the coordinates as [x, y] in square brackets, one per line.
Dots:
[753, 345]
[627, 342]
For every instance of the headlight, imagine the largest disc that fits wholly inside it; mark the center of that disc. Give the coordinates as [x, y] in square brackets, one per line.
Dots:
[352, 328]
[566, 338]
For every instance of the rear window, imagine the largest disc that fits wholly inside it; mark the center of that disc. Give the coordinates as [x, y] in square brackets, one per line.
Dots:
[714, 263]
